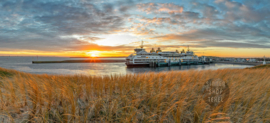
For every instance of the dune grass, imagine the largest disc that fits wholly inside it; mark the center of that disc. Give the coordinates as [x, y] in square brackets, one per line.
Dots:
[151, 97]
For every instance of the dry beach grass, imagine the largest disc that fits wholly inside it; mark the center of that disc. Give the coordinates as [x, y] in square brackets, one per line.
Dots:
[151, 97]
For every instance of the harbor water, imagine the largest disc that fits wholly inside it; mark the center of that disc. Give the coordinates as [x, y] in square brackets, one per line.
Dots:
[24, 64]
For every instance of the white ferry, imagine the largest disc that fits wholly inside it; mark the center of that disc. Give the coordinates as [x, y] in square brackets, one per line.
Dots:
[143, 58]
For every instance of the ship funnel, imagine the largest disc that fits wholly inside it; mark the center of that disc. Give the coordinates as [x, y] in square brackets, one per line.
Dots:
[152, 51]
[183, 51]
[158, 50]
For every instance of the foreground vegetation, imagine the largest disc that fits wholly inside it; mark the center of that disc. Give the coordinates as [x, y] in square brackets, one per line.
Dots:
[151, 97]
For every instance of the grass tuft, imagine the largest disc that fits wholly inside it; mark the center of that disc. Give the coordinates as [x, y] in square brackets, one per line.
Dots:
[5, 74]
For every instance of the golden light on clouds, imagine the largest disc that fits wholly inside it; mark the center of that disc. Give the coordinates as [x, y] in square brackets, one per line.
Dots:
[212, 51]
[117, 39]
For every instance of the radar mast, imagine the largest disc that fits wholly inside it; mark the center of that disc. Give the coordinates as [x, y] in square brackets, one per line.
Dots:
[142, 45]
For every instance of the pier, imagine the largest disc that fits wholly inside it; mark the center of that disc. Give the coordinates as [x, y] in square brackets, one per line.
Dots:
[240, 63]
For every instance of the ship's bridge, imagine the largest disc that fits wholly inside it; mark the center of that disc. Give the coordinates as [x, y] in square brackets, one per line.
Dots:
[137, 50]
[189, 53]
[143, 52]
[169, 52]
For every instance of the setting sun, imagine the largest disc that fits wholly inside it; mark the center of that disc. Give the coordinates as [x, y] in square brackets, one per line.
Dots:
[93, 53]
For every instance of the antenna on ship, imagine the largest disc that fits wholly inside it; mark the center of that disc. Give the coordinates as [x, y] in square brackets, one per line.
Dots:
[142, 45]
[188, 48]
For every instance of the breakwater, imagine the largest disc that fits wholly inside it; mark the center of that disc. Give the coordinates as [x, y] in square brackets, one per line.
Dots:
[79, 61]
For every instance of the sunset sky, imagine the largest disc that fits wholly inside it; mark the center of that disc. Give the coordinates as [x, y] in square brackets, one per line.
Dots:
[225, 28]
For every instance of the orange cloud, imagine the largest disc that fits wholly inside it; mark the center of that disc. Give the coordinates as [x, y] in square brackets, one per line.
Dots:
[160, 7]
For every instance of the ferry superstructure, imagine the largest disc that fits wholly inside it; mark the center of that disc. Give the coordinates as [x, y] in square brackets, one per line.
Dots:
[143, 58]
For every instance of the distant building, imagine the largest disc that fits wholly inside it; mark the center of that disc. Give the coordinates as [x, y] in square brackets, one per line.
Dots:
[231, 59]
[252, 60]
[240, 60]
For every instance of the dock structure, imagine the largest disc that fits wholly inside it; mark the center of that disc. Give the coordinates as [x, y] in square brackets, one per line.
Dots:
[179, 63]
[240, 63]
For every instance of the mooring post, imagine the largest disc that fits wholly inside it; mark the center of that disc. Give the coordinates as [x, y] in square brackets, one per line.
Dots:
[180, 62]
[169, 63]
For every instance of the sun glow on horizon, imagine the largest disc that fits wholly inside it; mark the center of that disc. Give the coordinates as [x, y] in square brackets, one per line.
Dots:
[93, 53]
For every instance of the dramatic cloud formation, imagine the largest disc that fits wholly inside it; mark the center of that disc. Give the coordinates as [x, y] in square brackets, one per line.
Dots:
[86, 25]
[54, 23]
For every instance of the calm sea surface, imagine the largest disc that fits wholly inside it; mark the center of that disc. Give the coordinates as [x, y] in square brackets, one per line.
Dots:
[25, 64]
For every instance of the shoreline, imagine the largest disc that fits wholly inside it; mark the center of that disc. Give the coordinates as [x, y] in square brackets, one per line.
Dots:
[240, 63]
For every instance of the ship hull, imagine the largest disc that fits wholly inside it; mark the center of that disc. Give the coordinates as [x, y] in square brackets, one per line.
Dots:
[137, 65]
